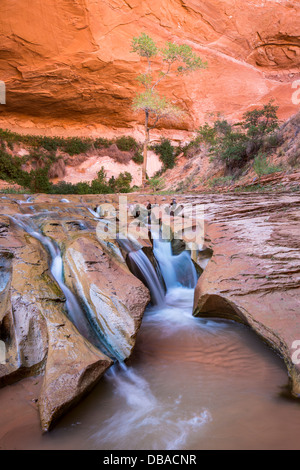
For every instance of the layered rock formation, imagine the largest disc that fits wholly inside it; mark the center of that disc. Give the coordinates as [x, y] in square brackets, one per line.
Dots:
[67, 65]
[250, 260]
[35, 311]
[254, 276]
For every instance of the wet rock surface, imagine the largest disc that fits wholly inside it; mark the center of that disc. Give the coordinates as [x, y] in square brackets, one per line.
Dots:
[35, 323]
[254, 274]
[250, 264]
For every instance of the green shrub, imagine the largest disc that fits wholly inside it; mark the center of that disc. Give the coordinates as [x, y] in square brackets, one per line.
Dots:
[70, 145]
[207, 134]
[273, 141]
[63, 188]
[75, 146]
[138, 158]
[236, 144]
[122, 183]
[157, 184]
[262, 166]
[165, 150]
[101, 142]
[14, 191]
[83, 188]
[44, 154]
[51, 144]
[39, 180]
[11, 170]
[232, 150]
[126, 144]
[190, 149]
[260, 122]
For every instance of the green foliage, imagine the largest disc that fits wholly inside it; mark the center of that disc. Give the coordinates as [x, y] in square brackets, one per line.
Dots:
[273, 141]
[9, 167]
[138, 158]
[165, 150]
[262, 166]
[179, 59]
[157, 184]
[49, 143]
[102, 142]
[37, 181]
[14, 191]
[144, 46]
[63, 188]
[126, 143]
[75, 145]
[260, 122]
[153, 103]
[236, 144]
[207, 134]
[122, 183]
[184, 55]
[232, 150]
[82, 188]
[189, 150]
[70, 145]
[43, 148]
[99, 185]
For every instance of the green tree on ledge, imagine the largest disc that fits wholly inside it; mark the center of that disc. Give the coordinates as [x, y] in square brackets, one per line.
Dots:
[175, 59]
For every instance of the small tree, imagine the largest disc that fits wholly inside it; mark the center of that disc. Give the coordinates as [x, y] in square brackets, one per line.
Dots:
[175, 58]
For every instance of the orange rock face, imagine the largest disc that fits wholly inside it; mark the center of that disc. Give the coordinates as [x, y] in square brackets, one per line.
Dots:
[67, 64]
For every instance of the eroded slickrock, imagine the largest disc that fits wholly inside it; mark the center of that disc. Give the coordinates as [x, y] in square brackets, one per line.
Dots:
[114, 296]
[34, 321]
[251, 274]
[254, 273]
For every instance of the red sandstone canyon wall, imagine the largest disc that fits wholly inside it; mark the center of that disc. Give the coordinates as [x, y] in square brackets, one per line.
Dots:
[67, 63]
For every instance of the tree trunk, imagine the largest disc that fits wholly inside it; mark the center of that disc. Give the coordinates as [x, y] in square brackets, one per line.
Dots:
[145, 153]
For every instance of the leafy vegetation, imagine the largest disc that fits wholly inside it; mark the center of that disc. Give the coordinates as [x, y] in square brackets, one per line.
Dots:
[262, 166]
[102, 142]
[166, 152]
[138, 158]
[239, 143]
[174, 58]
[157, 183]
[37, 180]
[70, 145]
[43, 153]
[126, 143]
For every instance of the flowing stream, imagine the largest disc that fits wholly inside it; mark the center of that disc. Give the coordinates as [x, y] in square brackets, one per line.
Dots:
[75, 311]
[191, 384]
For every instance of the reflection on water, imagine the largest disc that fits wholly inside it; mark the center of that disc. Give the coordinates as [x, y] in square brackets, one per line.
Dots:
[191, 384]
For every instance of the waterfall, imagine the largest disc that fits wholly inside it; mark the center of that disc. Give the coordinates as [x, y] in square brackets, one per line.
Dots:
[177, 270]
[74, 309]
[142, 267]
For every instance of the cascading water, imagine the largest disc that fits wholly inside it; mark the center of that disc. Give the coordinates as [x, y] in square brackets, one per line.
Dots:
[177, 270]
[74, 309]
[191, 383]
[142, 267]
[143, 412]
